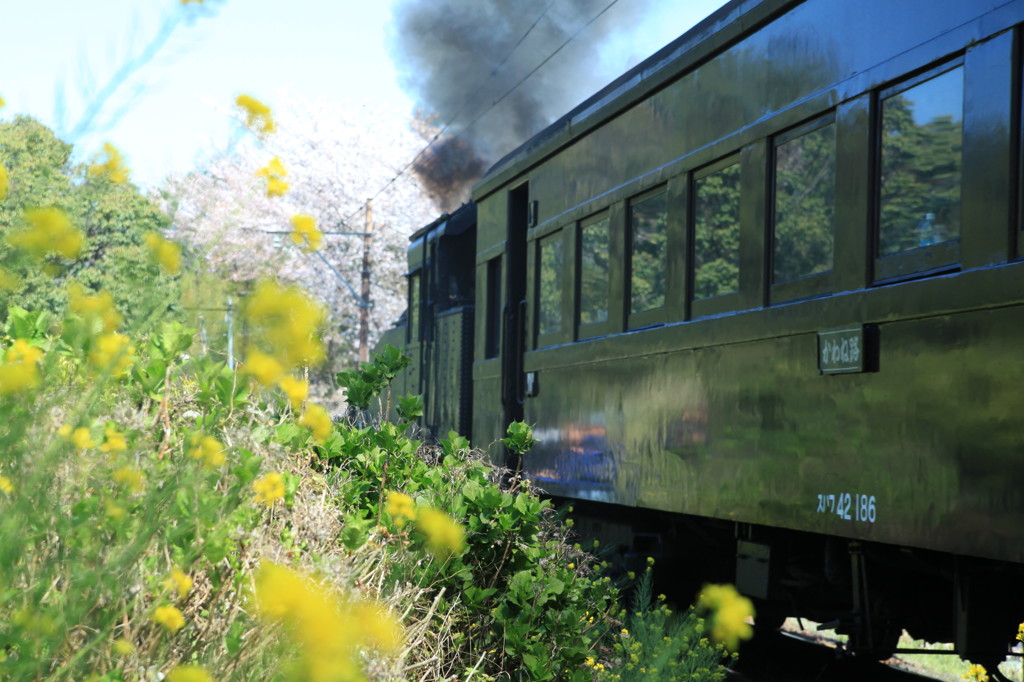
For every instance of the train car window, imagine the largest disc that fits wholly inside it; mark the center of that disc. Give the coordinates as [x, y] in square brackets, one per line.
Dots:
[594, 269]
[716, 231]
[804, 202]
[921, 140]
[549, 286]
[648, 257]
[414, 307]
[492, 333]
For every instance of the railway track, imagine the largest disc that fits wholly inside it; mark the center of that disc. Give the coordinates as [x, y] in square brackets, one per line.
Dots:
[787, 657]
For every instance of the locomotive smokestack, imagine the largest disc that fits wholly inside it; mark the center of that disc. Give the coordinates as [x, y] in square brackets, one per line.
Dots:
[455, 58]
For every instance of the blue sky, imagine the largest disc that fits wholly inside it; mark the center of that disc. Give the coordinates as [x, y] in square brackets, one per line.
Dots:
[336, 49]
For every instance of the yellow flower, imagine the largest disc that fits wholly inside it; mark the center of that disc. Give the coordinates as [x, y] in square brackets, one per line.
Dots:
[5, 182]
[113, 440]
[285, 322]
[328, 630]
[729, 614]
[2, 103]
[401, 508]
[6, 487]
[130, 478]
[297, 390]
[444, 535]
[112, 353]
[114, 510]
[82, 439]
[269, 489]
[208, 449]
[169, 617]
[93, 307]
[112, 169]
[275, 173]
[305, 232]
[8, 280]
[258, 117]
[164, 253]
[263, 368]
[189, 673]
[49, 231]
[1020, 632]
[122, 647]
[316, 419]
[179, 582]
[976, 673]
[22, 351]
[20, 372]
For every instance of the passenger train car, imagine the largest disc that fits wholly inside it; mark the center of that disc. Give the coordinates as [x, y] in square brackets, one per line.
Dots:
[764, 292]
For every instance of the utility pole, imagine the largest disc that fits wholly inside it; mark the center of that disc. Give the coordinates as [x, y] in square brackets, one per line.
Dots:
[364, 305]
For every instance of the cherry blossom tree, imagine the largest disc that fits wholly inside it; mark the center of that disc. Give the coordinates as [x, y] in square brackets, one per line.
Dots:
[334, 158]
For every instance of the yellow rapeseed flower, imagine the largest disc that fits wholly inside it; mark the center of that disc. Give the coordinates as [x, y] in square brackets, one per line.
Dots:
[97, 307]
[285, 322]
[22, 351]
[122, 647]
[316, 419]
[114, 511]
[49, 230]
[297, 390]
[164, 253]
[6, 487]
[18, 377]
[2, 103]
[208, 449]
[179, 582]
[5, 182]
[112, 352]
[444, 535]
[305, 232]
[189, 673]
[82, 439]
[113, 440]
[262, 367]
[8, 280]
[258, 116]
[113, 169]
[269, 489]
[130, 478]
[401, 508]
[275, 174]
[169, 617]
[1020, 632]
[729, 613]
[328, 630]
[976, 673]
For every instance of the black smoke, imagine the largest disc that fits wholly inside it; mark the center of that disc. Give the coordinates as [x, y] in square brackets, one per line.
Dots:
[454, 56]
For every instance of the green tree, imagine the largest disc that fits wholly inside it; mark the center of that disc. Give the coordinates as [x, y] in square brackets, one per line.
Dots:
[114, 218]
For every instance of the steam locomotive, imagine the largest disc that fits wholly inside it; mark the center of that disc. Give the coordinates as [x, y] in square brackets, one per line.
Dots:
[762, 298]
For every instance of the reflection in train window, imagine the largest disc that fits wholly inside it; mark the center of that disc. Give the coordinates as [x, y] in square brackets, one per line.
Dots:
[648, 221]
[549, 304]
[922, 134]
[594, 270]
[716, 233]
[805, 193]
[414, 307]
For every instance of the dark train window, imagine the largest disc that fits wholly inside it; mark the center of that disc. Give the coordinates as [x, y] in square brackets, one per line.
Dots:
[922, 136]
[648, 258]
[492, 333]
[549, 285]
[716, 230]
[804, 207]
[414, 307]
[594, 269]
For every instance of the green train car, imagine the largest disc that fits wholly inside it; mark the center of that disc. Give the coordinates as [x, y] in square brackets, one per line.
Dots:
[763, 295]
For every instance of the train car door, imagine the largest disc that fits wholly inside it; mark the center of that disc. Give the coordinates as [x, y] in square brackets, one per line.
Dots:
[514, 341]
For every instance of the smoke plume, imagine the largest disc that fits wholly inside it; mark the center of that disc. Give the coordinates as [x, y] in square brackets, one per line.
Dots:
[451, 55]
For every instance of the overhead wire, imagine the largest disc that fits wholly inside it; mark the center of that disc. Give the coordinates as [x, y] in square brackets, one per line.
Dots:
[494, 103]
